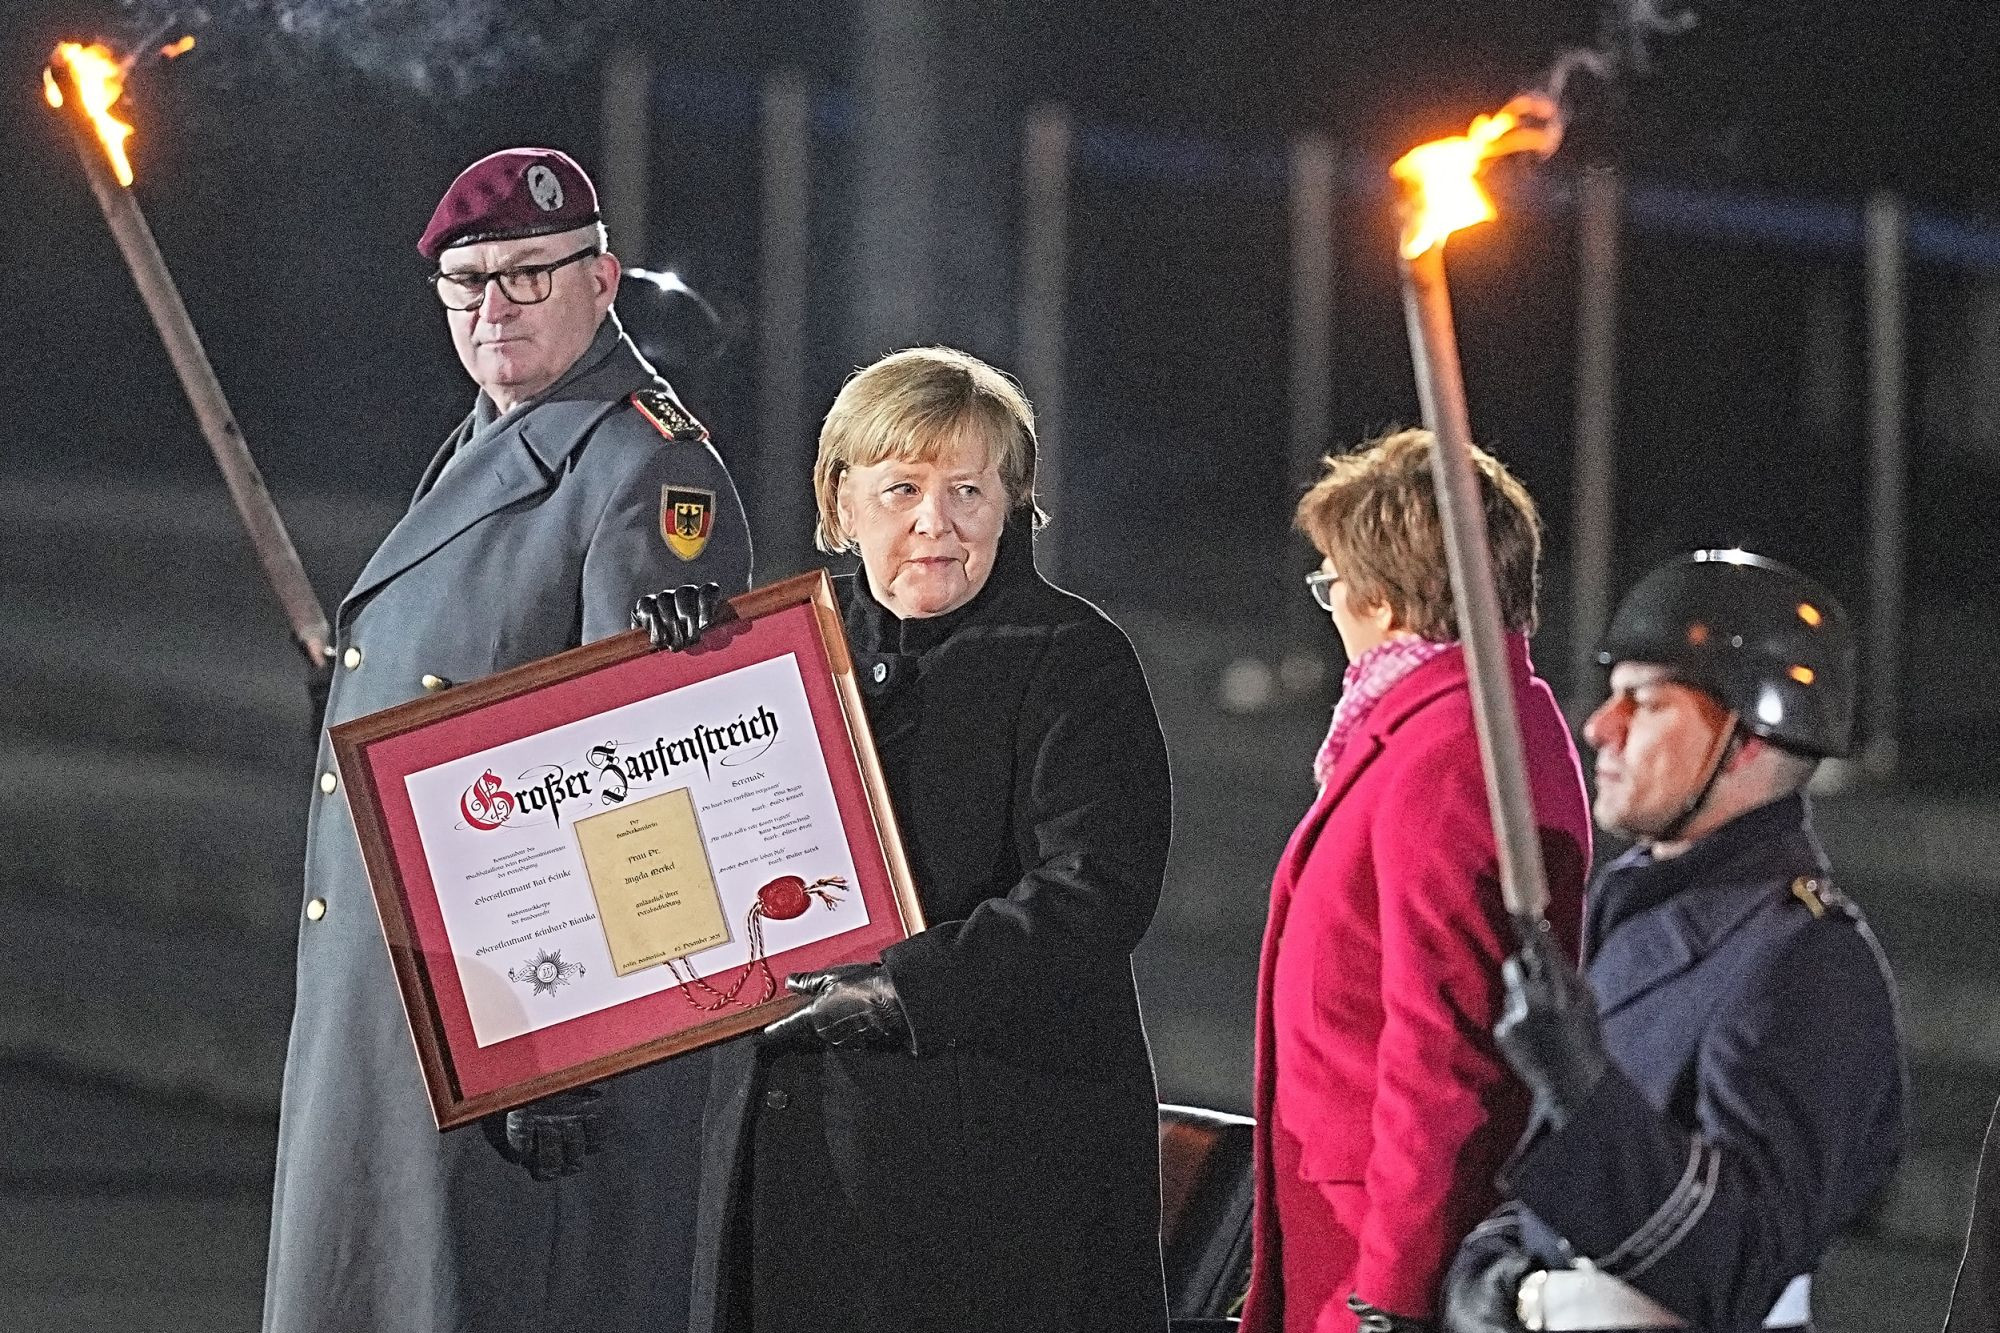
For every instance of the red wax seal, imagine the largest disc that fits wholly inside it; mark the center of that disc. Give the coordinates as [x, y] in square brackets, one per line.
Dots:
[788, 896]
[784, 898]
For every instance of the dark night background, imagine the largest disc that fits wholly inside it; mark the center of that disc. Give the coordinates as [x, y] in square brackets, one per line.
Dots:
[152, 720]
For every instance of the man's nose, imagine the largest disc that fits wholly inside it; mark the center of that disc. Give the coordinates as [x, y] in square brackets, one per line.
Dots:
[1600, 729]
[494, 305]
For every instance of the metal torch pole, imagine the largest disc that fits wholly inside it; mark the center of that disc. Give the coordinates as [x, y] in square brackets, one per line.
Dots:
[1441, 392]
[218, 424]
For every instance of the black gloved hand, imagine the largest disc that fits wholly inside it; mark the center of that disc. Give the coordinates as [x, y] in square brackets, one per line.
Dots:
[551, 1137]
[674, 618]
[1482, 1292]
[1548, 1029]
[1381, 1321]
[852, 1005]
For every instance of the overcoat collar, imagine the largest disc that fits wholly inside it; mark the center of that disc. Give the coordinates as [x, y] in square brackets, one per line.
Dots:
[1406, 698]
[507, 458]
[1649, 920]
[888, 648]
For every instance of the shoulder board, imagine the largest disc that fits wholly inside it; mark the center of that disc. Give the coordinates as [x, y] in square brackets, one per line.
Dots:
[668, 416]
[1821, 898]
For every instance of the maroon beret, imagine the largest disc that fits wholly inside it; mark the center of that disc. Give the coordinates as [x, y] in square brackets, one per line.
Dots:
[512, 193]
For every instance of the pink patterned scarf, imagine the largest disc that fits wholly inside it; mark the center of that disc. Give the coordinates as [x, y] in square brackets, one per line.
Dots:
[1368, 678]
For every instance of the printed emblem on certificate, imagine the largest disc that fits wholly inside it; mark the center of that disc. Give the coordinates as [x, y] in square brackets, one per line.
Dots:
[612, 856]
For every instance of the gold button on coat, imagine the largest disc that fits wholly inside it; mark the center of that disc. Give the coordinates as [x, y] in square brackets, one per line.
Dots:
[352, 657]
[432, 682]
[315, 909]
[327, 782]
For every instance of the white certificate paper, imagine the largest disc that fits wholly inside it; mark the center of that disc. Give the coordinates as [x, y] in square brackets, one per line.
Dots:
[500, 838]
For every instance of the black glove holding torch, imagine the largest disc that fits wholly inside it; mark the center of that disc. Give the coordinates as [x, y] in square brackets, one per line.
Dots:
[1549, 1032]
[1548, 1028]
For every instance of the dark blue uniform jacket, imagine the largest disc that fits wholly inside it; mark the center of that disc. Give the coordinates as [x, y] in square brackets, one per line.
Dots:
[1757, 1099]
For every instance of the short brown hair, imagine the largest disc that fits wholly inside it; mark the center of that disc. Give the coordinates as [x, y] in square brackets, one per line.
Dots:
[1374, 514]
[911, 405]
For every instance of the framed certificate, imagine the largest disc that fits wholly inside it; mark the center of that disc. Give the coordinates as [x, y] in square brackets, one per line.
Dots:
[615, 855]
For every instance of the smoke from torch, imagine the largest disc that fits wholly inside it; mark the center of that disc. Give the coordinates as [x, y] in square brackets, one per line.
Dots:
[1442, 193]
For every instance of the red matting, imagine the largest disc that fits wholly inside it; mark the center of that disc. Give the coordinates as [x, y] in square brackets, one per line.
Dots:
[479, 1079]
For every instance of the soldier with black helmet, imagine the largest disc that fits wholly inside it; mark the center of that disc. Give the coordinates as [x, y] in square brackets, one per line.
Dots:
[1722, 1090]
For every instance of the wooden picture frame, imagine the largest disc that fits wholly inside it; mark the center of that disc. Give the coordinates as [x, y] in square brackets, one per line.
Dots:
[479, 866]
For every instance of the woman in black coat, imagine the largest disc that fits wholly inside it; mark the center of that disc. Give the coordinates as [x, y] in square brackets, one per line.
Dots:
[963, 1136]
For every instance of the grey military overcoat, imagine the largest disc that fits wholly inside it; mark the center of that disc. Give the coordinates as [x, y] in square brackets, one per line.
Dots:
[535, 538]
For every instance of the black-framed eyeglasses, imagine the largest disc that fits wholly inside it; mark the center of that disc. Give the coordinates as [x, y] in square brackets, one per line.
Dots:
[1320, 584]
[529, 284]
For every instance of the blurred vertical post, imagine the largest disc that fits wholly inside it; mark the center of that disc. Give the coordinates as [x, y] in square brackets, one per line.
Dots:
[625, 166]
[894, 180]
[784, 246]
[1309, 385]
[1594, 469]
[1887, 525]
[1040, 352]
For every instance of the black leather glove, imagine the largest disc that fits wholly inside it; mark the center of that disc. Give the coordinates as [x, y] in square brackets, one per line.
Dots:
[674, 618]
[852, 1005]
[1548, 1029]
[551, 1137]
[1381, 1321]
[1482, 1292]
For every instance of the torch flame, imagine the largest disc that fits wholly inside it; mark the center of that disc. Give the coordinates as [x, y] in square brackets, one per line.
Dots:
[1441, 178]
[100, 81]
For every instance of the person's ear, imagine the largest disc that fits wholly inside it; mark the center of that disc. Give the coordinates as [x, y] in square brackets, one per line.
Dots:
[605, 272]
[1744, 751]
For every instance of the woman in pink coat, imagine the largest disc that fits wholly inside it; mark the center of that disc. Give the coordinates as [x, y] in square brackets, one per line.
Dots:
[1383, 1108]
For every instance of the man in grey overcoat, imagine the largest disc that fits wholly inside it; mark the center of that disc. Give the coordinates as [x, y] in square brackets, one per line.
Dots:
[577, 482]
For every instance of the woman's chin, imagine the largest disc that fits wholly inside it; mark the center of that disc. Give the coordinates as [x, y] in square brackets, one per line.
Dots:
[930, 595]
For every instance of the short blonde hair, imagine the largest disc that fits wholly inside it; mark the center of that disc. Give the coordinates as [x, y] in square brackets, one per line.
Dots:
[1374, 515]
[911, 405]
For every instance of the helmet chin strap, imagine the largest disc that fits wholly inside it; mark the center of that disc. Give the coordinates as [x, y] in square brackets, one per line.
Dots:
[1718, 755]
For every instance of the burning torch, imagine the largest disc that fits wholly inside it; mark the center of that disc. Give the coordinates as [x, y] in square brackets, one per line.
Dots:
[84, 83]
[1441, 193]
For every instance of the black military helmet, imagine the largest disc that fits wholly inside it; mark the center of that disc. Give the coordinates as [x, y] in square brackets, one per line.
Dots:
[1766, 640]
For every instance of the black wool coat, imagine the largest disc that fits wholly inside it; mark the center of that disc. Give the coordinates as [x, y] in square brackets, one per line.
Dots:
[1006, 1174]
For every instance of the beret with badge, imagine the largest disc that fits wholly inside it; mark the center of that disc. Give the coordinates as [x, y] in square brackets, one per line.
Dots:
[510, 194]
